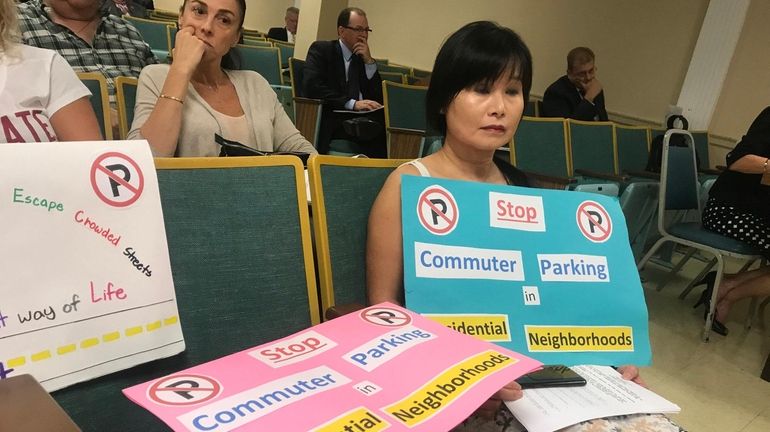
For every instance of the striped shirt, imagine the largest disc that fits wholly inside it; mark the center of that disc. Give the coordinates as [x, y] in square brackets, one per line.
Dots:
[117, 50]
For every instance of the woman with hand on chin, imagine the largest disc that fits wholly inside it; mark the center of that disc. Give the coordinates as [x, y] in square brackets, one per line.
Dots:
[478, 89]
[179, 107]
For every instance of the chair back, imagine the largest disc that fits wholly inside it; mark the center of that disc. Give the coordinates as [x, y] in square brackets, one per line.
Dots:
[701, 139]
[307, 112]
[633, 144]
[639, 203]
[242, 264]
[404, 105]
[100, 100]
[284, 96]
[393, 77]
[404, 119]
[155, 33]
[530, 109]
[257, 42]
[592, 146]
[540, 146]
[679, 189]
[343, 191]
[264, 60]
[296, 72]
[125, 91]
[390, 67]
[286, 50]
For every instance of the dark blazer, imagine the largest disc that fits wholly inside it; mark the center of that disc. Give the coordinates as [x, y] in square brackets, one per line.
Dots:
[745, 191]
[324, 78]
[135, 9]
[278, 33]
[562, 99]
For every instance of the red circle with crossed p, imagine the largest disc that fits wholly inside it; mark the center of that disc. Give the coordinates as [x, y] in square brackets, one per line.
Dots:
[117, 179]
[437, 210]
[594, 221]
[183, 390]
[387, 317]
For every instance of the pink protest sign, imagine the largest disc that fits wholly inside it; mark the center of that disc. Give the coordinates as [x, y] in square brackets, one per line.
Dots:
[380, 368]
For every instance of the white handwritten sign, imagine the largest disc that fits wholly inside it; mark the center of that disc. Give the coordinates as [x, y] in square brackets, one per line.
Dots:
[85, 279]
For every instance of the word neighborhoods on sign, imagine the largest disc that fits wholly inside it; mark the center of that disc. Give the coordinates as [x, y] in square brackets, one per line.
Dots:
[349, 374]
[544, 272]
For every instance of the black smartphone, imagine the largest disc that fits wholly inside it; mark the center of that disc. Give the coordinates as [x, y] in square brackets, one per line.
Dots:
[551, 376]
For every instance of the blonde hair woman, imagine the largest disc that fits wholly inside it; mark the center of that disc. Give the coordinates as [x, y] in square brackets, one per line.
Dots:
[41, 98]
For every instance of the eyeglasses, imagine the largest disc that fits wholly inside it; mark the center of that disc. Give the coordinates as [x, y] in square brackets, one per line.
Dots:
[359, 29]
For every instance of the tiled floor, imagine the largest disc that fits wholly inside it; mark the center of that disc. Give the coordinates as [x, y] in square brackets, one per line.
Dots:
[716, 384]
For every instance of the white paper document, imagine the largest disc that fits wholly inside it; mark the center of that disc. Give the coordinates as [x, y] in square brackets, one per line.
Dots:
[605, 394]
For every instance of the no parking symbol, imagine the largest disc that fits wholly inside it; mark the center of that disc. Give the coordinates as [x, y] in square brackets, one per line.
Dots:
[437, 210]
[594, 221]
[117, 179]
[182, 390]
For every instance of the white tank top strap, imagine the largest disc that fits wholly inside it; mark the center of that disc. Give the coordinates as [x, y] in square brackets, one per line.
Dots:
[420, 167]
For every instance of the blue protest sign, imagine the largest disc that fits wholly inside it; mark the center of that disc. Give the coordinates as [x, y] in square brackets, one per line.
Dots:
[546, 273]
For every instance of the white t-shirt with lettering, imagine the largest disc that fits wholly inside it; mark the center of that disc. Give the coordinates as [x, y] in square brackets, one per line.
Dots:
[34, 84]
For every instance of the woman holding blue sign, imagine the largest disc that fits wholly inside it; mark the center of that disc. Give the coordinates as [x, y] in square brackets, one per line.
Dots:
[478, 89]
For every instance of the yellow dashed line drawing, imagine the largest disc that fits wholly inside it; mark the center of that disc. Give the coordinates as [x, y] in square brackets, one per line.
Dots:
[16, 362]
[88, 343]
[66, 349]
[91, 342]
[42, 355]
[133, 331]
[109, 337]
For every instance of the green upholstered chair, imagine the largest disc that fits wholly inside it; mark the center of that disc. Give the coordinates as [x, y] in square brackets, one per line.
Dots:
[257, 42]
[404, 119]
[395, 77]
[265, 60]
[540, 146]
[343, 191]
[390, 67]
[125, 91]
[307, 112]
[285, 97]
[680, 191]
[239, 242]
[100, 100]
[633, 143]
[154, 33]
[592, 146]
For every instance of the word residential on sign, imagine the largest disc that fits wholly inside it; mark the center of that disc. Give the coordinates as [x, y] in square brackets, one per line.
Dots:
[86, 285]
[543, 272]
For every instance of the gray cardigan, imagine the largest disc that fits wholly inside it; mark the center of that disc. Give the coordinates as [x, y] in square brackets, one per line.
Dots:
[272, 127]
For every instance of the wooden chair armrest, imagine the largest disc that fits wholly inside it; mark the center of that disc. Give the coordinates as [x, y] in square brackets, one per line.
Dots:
[644, 174]
[545, 181]
[601, 175]
[337, 311]
[710, 171]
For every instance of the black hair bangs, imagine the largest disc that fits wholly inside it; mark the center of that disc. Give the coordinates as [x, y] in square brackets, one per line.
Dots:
[481, 52]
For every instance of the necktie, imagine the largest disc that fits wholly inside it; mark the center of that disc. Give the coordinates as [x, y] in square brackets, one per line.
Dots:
[354, 72]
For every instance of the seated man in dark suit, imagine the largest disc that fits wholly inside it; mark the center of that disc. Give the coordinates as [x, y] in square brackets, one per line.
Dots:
[579, 94]
[343, 74]
[288, 33]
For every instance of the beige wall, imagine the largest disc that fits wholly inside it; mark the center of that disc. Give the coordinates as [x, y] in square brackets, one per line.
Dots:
[260, 14]
[747, 88]
[643, 48]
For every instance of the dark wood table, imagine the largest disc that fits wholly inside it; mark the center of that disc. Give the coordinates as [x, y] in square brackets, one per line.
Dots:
[25, 406]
